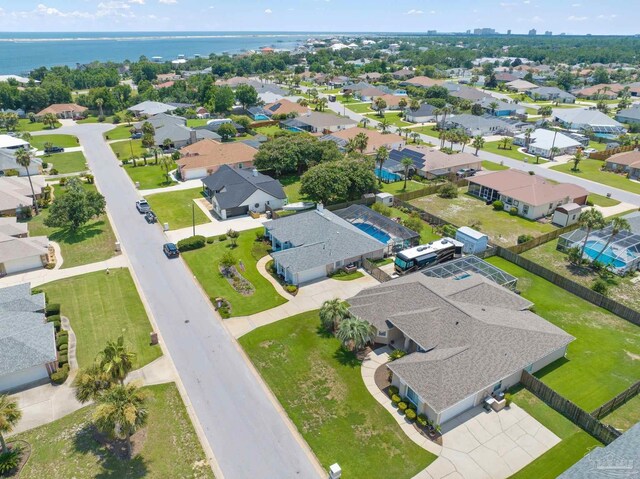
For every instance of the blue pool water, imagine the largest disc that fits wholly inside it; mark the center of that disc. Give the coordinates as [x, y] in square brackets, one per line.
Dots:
[606, 136]
[373, 232]
[292, 129]
[386, 175]
[592, 248]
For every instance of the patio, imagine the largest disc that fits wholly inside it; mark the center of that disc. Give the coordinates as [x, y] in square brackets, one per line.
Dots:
[476, 444]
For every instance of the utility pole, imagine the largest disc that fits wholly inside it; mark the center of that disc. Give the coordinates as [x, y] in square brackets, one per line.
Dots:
[193, 217]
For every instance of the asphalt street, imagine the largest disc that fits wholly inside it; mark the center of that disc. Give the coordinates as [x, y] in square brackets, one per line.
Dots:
[247, 432]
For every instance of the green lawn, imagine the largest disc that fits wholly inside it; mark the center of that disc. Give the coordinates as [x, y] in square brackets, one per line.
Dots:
[590, 170]
[123, 149]
[120, 132]
[467, 210]
[101, 307]
[71, 162]
[602, 200]
[170, 447]
[427, 130]
[65, 141]
[359, 107]
[291, 186]
[191, 122]
[344, 276]
[176, 208]
[575, 442]
[427, 233]
[24, 124]
[625, 416]
[150, 176]
[598, 145]
[95, 241]
[320, 387]
[204, 263]
[392, 116]
[268, 131]
[602, 361]
[398, 187]
[495, 147]
[490, 165]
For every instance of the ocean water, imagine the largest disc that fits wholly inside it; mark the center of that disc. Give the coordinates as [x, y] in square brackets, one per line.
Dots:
[22, 52]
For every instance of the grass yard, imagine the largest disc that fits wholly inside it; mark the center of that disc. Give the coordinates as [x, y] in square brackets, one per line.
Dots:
[204, 263]
[623, 290]
[268, 131]
[490, 165]
[600, 146]
[24, 124]
[150, 176]
[71, 162]
[575, 442]
[393, 117]
[359, 107]
[495, 147]
[192, 122]
[331, 406]
[95, 241]
[123, 149]
[101, 307]
[291, 186]
[175, 207]
[427, 130]
[169, 446]
[344, 276]
[625, 416]
[65, 141]
[120, 132]
[398, 187]
[590, 170]
[467, 210]
[603, 201]
[427, 233]
[602, 361]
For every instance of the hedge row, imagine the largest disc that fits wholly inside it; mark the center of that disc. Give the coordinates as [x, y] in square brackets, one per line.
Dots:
[191, 243]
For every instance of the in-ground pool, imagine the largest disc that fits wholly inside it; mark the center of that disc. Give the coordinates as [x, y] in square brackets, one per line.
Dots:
[373, 231]
[606, 136]
[386, 175]
[607, 258]
[292, 129]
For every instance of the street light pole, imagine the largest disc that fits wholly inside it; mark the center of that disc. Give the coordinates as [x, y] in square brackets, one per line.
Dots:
[193, 217]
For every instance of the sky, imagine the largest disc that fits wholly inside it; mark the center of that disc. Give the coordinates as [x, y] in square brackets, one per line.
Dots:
[570, 16]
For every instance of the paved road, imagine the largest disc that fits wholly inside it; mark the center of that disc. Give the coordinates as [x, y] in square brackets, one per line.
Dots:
[246, 431]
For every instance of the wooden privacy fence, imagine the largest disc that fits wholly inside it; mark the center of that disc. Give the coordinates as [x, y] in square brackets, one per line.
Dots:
[428, 217]
[581, 418]
[551, 235]
[428, 190]
[374, 271]
[603, 155]
[369, 200]
[617, 401]
[583, 292]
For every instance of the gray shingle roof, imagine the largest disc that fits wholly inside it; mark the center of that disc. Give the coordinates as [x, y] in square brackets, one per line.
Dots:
[475, 333]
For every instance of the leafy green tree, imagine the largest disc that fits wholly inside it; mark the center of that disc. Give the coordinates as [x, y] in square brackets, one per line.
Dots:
[148, 140]
[295, 154]
[23, 158]
[355, 333]
[338, 181]
[10, 414]
[227, 261]
[545, 111]
[414, 222]
[379, 105]
[233, 236]
[148, 129]
[246, 95]
[74, 208]
[49, 120]
[224, 99]
[227, 130]
[332, 313]
[448, 190]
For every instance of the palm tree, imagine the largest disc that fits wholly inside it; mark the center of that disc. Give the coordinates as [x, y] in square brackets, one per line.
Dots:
[402, 103]
[116, 360]
[122, 410]
[99, 103]
[10, 414]
[166, 163]
[384, 125]
[351, 145]
[464, 139]
[322, 103]
[166, 143]
[379, 105]
[436, 113]
[128, 117]
[527, 140]
[577, 158]
[442, 136]
[365, 121]
[415, 136]
[89, 383]
[590, 220]
[50, 120]
[355, 333]
[618, 224]
[445, 111]
[553, 152]
[382, 154]
[332, 313]
[361, 140]
[414, 105]
[478, 142]
[23, 158]
[493, 105]
[406, 163]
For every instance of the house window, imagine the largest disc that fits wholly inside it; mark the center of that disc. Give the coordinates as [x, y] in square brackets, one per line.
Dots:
[525, 209]
[497, 386]
[550, 206]
[382, 334]
[239, 166]
[412, 396]
[516, 203]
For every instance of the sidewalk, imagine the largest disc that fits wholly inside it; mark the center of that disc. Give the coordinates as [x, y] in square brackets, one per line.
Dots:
[184, 185]
[215, 227]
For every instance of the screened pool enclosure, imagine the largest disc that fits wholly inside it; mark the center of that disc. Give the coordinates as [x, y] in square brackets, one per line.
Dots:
[466, 266]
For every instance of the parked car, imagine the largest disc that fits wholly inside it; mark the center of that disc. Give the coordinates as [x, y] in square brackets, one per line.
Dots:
[171, 250]
[142, 206]
[54, 149]
[151, 217]
[136, 136]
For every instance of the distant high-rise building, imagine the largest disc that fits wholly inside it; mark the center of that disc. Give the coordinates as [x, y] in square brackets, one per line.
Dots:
[533, 31]
[484, 31]
[562, 34]
[468, 32]
[508, 32]
[432, 32]
[548, 33]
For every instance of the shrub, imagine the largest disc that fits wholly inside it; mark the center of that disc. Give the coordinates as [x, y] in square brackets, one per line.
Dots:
[410, 405]
[45, 165]
[61, 374]
[62, 360]
[508, 399]
[395, 399]
[211, 239]
[101, 118]
[63, 347]
[600, 286]
[224, 312]
[53, 318]
[62, 181]
[38, 291]
[449, 231]
[396, 354]
[589, 203]
[382, 209]
[51, 309]
[10, 460]
[411, 414]
[513, 211]
[291, 288]
[191, 243]
[222, 238]
[393, 390]
[62, 340]
[402, 406]
[448, 190]
[259, 235]
[524, 239]
[422, 420]
[498, 205]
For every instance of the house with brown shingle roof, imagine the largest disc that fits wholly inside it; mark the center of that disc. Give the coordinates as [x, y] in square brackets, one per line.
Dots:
[375, 139]
[629, 162]
[422, 81]
[286, 107]
[64, 110]
[207, 156]
[604, 90]
[393, 101]
[531, 195]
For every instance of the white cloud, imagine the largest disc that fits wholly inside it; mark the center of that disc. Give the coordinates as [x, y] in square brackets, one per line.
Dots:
[507, 4]
[268, 11]
[114, 8]
[526, 2]
[576, 5]
[42, 9]
[575, 18]
[607, 17]
[167, 2]
[413, 11]
[137, 2]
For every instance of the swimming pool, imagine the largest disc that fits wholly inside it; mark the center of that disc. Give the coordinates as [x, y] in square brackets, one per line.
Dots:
[606, 136]
[373, 232]
[386, 175]
[292, 129]
[608, 256]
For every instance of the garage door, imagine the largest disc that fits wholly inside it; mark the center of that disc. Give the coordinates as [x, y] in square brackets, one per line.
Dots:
[23, 264]
[240, 210]
[457, 409]
[21, 378]
[311, 274]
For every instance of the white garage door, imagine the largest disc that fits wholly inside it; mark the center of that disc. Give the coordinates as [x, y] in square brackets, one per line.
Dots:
[456, 409]
[311, 274]
[20, 378]
[18, 265]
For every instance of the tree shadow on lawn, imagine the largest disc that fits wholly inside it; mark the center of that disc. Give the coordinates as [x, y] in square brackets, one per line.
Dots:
[347, 358]
[111, 453]
[83, 233]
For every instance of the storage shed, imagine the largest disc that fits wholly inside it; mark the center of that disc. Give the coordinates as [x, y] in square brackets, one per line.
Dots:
[567, 214]
[474, 241]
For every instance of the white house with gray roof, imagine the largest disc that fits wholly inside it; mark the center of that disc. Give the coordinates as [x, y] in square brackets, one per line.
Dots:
[309, 246]
[466, 338]
[27, 343]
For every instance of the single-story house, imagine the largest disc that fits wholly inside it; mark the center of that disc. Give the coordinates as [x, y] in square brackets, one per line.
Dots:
[431, 163]
[479, 125]
[551, 93]
[601, 90]
[9, 226]
[64, 110]
[15, 193]
[215, 124]
[22, 254]
[375, 139]
[506, 77]
[356, 87]
[520, 85]
[466, 339]
[368, 94]
[421, 81]
[9, 145]
[594, 120]
[150, 108]
[285, 107]
[18, 111]
[175, 128]
[28, 353]
[532, 195]
[628, 162]
[496, 107]
[393, 101]
[205, 157]
[309, 246]
[464, 92]
[542, 141]
[316, 122]
[370, 76]
[567, 214]
[235, 192]
[629, 115]
[403, 74]
[424, 114]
